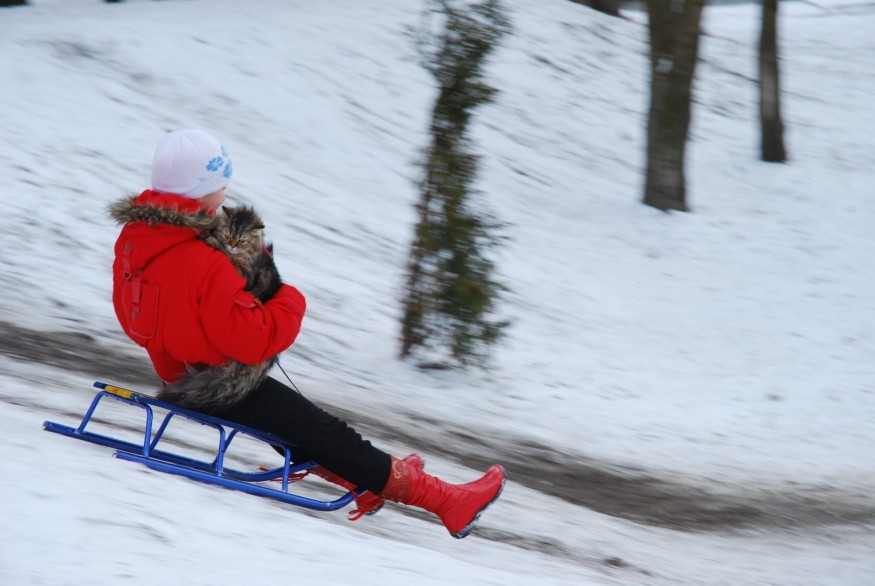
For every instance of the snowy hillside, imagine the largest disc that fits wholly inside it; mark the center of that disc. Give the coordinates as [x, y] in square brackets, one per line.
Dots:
[682, 398]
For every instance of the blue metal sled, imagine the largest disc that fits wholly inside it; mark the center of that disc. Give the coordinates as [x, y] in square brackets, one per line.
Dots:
[211, 472]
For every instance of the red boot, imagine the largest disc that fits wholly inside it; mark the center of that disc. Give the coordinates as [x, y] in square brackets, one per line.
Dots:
[459, 506]
[366, 503]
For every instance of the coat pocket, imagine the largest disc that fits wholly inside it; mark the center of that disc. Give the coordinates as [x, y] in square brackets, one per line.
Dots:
[142, 316]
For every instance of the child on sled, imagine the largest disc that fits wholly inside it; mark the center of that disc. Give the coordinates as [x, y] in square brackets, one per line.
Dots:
[193, 310]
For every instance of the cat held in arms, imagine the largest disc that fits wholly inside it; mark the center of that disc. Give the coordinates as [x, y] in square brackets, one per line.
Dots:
[239, 233]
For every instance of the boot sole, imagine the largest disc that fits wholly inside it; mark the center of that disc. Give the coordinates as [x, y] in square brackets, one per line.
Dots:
[473, 523]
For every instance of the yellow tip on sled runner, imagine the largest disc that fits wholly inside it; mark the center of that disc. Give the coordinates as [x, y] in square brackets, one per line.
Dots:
[211, 472]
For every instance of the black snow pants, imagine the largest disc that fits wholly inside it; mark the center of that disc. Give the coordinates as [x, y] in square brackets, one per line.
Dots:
[275, 408]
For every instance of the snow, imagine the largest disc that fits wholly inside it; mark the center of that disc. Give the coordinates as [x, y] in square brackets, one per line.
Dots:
[728, 348]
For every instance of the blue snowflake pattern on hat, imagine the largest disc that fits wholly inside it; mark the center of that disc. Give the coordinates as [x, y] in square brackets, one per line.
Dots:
[215, 164]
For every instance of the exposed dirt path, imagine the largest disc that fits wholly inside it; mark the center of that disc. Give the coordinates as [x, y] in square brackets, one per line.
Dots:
[603, 486]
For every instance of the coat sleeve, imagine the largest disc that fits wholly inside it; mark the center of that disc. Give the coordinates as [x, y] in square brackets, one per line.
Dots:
[240, 326]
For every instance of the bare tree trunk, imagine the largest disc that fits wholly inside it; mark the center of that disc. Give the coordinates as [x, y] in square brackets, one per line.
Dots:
[771, 125]
[610, 7]
[674, 51]
[4, 3]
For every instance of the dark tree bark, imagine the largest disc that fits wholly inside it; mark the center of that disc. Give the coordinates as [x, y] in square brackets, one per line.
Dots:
[674, 51]
[4, 3]
[611, 7]
[771, 125]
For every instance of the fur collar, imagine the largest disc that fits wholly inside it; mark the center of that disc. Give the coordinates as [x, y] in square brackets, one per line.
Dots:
[158, 208]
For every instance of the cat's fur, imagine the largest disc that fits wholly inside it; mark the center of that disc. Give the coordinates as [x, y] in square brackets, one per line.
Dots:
[239, 233]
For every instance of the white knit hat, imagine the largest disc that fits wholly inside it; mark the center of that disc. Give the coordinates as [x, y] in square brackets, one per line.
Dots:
[190, 163]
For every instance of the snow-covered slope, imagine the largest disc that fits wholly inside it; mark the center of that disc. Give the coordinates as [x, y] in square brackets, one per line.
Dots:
[729, 348]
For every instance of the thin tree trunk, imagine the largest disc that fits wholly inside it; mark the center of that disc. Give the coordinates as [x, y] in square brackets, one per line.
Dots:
[610, 7]
[771, 125]
[674, 51]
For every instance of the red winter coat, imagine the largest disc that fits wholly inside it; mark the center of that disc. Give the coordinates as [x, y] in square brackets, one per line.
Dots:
[183, 300]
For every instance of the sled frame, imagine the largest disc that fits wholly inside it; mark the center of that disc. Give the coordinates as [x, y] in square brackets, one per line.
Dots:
[211, 472]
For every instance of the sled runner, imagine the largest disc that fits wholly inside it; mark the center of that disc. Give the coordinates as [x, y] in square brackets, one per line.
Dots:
[212, 472]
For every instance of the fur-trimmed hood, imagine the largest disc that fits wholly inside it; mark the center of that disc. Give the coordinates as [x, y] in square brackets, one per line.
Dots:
[156, 222]
[155, 208]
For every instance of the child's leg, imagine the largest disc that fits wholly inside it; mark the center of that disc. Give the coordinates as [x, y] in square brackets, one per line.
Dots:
[277, 409]
[330, 441]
